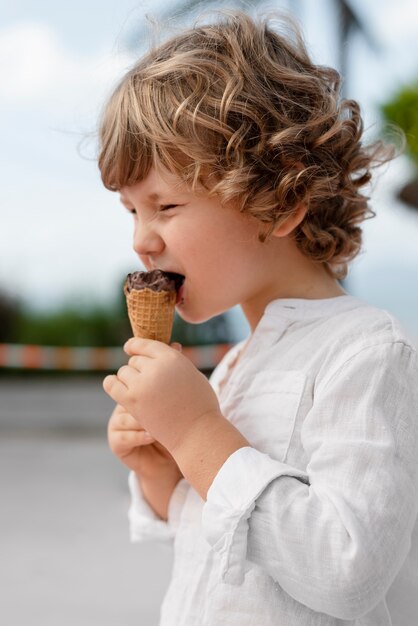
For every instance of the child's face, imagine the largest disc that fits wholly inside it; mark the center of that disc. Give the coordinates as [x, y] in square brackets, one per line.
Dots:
[215, 247]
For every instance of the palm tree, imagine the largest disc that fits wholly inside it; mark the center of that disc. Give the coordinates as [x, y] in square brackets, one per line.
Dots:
[349, 21]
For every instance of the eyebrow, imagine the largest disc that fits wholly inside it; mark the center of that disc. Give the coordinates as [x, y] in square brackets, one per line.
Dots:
[151, 196]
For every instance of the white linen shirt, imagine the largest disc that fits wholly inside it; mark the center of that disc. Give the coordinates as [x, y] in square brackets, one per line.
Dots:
[315, 523]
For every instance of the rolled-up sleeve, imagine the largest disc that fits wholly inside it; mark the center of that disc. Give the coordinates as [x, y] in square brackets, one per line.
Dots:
[334, 537]
[144, 523]
[229, 505]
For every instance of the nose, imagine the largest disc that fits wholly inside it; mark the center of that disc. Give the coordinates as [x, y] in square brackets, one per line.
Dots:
[146, 240]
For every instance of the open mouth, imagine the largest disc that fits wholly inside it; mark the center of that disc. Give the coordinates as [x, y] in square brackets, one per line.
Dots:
[180, 292]
[177, 278]
[179, 284]
[180, 288]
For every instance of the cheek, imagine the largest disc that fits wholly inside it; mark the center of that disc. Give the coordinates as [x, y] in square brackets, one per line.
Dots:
[194, 249]
[218, 249]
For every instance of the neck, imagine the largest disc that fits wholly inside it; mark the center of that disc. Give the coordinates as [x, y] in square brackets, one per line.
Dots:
[303, 279]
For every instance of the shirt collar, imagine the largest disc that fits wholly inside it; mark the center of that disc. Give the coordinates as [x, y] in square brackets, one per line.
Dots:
[302, 308]
[280, 314]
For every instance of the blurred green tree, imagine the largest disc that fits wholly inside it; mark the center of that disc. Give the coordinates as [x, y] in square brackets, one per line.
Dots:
[71, 327]
[98, 326]
[10, 318]
[402, 110]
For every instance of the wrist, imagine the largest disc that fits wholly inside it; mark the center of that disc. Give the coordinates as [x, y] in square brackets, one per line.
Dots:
[159, 478]
[202, 451]
[158, 491]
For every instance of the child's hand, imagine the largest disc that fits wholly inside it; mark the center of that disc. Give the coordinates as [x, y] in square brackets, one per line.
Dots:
[138, 450]
[162, 390]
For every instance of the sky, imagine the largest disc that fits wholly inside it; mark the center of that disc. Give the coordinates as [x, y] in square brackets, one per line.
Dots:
[64, 238]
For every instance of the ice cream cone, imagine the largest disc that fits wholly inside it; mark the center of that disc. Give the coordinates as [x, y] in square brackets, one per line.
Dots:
[151, 313]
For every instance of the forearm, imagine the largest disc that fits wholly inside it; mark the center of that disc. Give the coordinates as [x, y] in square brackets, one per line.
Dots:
[158, 491]
[208, 444]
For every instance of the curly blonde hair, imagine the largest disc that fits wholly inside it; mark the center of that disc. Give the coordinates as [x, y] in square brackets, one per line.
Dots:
[236, 108]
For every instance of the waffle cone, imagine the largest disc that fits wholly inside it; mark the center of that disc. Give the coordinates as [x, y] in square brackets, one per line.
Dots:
[151, 313]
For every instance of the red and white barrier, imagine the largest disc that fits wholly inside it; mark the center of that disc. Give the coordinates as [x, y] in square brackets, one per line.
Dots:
[69, 358]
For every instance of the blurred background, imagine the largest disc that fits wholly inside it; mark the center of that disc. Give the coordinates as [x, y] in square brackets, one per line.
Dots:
[65, 249]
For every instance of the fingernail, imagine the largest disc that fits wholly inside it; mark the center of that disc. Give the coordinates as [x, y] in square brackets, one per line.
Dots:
[148, 437]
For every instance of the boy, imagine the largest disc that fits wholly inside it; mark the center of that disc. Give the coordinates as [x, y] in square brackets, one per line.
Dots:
[289, 482]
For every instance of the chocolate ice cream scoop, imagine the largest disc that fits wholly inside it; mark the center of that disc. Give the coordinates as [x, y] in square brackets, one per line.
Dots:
[151, 299]
[156, 280]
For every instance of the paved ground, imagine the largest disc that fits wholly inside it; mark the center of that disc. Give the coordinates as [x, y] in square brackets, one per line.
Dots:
[65, 557]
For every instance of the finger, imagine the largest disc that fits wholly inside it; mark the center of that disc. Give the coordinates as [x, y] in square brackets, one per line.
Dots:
[128, 375]
[123, 421]
[124, 441]
[137, 437]
[115, 388]
[177, 346]
[145, 347]
[138, 362]
[147, 438]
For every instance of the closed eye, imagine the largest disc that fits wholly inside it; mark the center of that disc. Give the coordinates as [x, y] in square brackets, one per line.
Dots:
[163, 207]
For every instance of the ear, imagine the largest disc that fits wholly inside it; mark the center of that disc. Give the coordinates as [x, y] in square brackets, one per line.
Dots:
[290, 223]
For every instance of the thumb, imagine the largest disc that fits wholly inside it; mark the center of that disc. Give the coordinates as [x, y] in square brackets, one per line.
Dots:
[176, 346]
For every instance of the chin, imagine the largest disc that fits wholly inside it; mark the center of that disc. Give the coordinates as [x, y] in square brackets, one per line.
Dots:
[194, 318]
